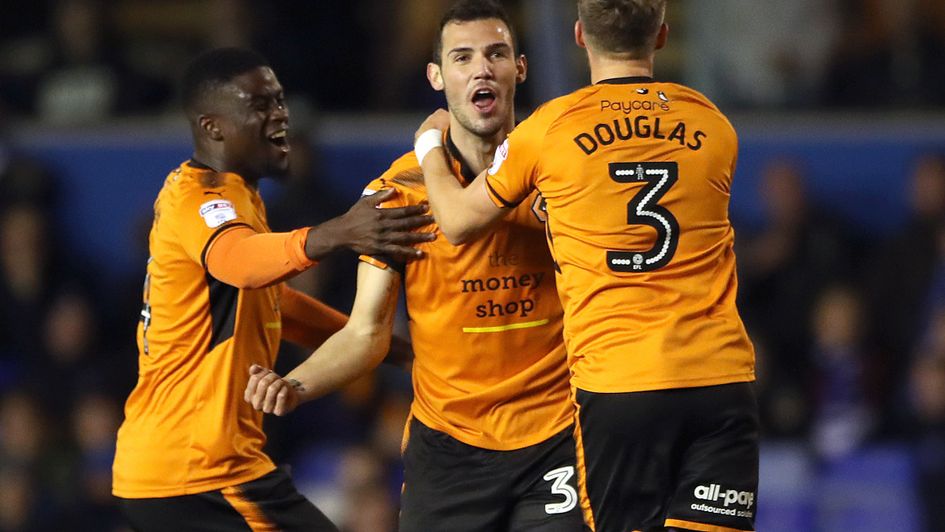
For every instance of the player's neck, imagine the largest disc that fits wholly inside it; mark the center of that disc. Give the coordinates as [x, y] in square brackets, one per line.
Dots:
[477, 151]
[603, 67]
[218, 164]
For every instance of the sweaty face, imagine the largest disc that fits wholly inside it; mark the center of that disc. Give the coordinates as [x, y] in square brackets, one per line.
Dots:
[254, 121]
[479, 71]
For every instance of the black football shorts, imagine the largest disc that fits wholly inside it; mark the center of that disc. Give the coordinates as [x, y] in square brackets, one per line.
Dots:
[685, 458]
[269, 503]
[453, 487]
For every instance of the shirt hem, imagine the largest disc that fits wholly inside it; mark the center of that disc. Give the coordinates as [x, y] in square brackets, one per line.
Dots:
[191, 489]
[490, 444]
[591, 386]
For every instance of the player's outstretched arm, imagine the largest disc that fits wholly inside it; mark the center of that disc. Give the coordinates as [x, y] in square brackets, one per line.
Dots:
[371, 230]
[351, 352]
[461, 213]
[308, 322]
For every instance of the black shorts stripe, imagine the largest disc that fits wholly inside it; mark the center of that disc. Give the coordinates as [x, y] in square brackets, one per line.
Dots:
[257, 520]
[581, 465]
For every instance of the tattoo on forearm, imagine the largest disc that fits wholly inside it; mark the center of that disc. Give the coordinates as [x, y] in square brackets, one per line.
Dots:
[296, 385]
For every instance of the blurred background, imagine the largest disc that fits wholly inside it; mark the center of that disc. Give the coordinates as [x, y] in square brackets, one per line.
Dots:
[838, 205]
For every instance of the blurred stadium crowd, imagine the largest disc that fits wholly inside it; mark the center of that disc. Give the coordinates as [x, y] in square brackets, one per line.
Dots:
[80, 61]
[849, 326]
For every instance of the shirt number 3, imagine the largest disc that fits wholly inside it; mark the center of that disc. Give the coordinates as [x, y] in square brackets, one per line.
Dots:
[644, 209]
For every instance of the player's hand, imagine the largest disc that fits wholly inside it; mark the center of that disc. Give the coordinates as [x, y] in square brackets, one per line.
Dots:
[270, 393]
[370, 229]
[373, 230]
[440, 119]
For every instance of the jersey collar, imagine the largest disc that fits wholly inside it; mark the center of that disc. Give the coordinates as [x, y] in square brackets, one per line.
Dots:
[197, 165]
[464, 168]
[626, 80]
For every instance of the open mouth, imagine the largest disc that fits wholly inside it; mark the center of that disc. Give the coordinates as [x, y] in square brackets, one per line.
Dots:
[280, 139]
[484, 100]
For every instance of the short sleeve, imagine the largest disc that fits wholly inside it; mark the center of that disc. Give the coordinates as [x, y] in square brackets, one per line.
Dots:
[201, 213]
[403, 175]
[514, 170]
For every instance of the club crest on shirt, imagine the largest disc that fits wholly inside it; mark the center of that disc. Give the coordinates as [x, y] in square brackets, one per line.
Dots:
[500, 155]
[217, 212]
[540, 208]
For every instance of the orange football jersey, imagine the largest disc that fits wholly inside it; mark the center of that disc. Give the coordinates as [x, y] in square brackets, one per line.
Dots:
[490, 367]
[636, 177]
[187, 429]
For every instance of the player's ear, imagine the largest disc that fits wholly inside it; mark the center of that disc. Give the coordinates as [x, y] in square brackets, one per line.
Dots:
[209, 126]
[435, 76]
[521, 68]
[661, 36]
[579, 34]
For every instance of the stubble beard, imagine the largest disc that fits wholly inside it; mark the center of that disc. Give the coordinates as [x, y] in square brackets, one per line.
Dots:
[483, 128]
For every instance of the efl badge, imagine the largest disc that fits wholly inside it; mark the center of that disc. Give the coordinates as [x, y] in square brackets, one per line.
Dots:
[500, 154]
[217, 212]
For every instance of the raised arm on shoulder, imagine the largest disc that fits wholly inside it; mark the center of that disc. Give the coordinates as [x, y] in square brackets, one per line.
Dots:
[241, 257]
[369, 229]
[351, 352]
[461, 213]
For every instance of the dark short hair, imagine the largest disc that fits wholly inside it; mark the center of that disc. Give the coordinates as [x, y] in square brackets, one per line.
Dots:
[214, 68]
[624, 27]
[468, 11]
